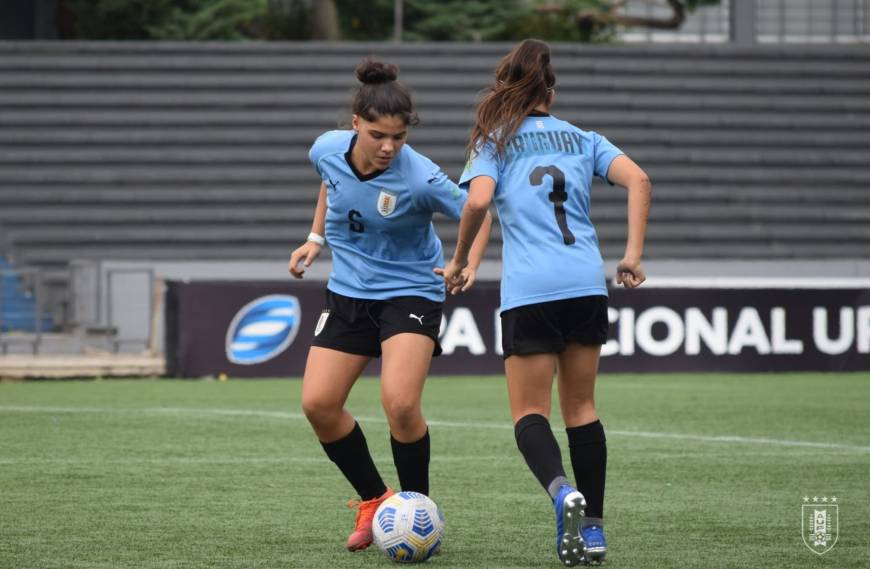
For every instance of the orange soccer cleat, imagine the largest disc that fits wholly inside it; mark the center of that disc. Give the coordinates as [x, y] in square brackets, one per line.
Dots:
[362, 534]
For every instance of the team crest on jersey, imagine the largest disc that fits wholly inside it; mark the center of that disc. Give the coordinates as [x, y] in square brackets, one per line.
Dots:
[386, 203]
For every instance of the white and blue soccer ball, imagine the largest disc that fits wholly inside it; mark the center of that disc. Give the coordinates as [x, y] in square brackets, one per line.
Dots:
[408, 527]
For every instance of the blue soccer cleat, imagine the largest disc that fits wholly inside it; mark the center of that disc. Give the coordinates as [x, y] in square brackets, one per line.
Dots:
[596, 546]
[570, 506]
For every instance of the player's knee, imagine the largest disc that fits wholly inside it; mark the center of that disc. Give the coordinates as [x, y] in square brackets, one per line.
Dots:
[320, 412]
[402, 413]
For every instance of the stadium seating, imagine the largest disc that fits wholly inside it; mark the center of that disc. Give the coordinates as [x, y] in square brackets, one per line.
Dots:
[199, 151]
[18, 307]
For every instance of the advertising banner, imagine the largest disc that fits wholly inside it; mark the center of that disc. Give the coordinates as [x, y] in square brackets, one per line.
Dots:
[264, 329]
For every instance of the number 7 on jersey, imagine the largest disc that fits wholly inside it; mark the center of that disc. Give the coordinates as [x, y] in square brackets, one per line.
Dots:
[558, 196]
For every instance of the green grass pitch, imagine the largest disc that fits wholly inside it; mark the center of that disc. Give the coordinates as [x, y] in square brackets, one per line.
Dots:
[706, 471]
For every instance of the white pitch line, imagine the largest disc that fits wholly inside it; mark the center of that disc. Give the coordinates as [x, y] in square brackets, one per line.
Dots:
[227, 461]
[178, 460]
[739, 440]
[283, 415]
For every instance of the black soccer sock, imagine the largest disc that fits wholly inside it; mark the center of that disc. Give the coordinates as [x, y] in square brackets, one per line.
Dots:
[589, 459]
[412, 464]
[351, 455]
[539, 447]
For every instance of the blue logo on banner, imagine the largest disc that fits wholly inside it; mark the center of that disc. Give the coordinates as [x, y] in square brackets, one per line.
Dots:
[262, 329]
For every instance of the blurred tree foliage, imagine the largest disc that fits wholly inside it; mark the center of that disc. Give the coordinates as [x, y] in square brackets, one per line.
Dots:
[363, 20]
[168, 19]
[558, 23]
[456, 20]
[446, 20]
[289, 20]
[213, 20]
[116, 19]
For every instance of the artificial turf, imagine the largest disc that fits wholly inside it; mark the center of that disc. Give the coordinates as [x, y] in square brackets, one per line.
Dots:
[705, 471]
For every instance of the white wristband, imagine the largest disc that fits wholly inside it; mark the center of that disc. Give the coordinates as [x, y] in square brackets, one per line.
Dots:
[315, 238]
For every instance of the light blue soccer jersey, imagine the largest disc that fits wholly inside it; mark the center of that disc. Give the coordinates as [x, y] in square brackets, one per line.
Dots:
[379, 226]
[543, 181]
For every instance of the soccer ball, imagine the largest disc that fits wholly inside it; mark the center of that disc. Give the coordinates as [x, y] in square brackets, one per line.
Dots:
[408, 527]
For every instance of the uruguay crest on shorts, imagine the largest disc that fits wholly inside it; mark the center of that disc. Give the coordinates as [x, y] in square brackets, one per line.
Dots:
[386, 203]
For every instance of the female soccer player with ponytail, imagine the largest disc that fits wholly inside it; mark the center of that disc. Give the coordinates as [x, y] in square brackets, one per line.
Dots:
[539, 170]
[383, 297]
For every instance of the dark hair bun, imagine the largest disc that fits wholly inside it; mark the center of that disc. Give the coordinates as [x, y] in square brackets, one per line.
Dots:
[372, 72]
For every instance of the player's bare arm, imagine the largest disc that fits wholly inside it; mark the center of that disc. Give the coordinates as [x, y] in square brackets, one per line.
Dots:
[624, 172]
[310, 250]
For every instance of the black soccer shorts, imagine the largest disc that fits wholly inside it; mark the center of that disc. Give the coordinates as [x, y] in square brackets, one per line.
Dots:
[547, 327]
[358, 326]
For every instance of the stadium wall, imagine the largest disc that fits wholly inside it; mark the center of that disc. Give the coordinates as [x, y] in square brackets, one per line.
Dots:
[197, 151]
[188, 160]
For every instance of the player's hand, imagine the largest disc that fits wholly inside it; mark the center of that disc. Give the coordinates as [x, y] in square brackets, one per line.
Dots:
[306, 254]
[468, 275]
[630, 273]
[454, 275]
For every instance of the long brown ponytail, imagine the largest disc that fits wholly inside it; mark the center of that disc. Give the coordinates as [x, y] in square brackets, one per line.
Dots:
[523, 80]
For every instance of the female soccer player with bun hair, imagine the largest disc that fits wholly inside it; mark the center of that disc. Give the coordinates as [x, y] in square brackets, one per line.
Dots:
[383, 297]
[539, 170]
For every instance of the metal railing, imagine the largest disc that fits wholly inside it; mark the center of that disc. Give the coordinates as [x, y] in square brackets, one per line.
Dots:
[806, 21]
[768, 22]
[708, 24]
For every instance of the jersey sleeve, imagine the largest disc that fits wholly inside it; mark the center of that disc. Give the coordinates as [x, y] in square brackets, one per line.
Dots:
[484, 162]
[315, 153]
[605, 151]
[433, 190]
[327, 143]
